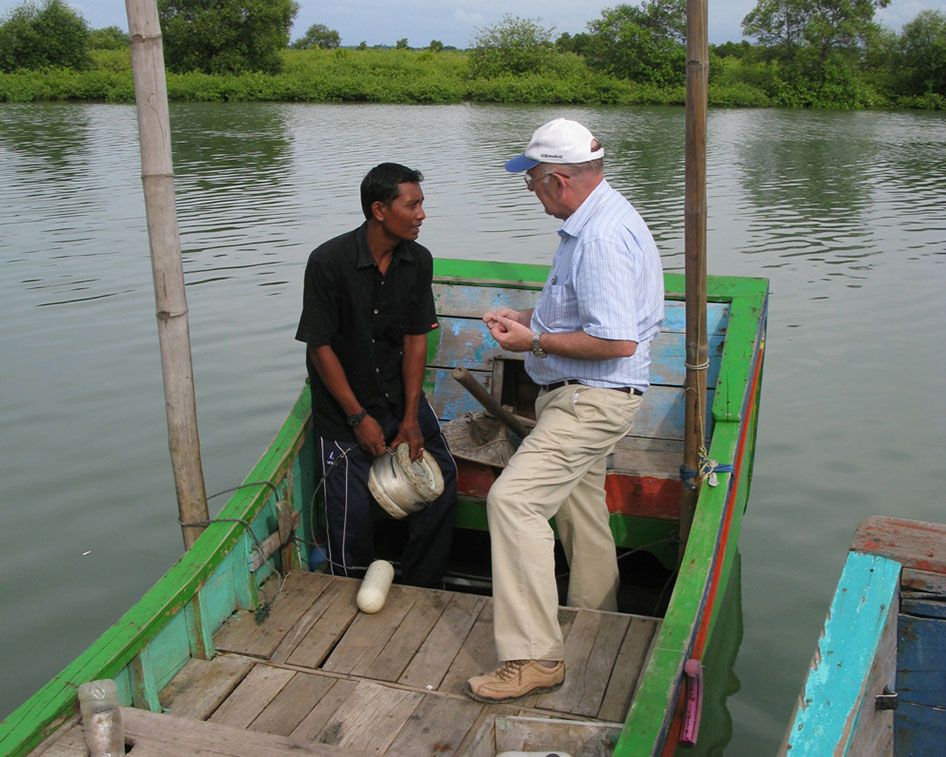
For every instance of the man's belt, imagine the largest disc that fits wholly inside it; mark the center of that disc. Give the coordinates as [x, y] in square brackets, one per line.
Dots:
[567, 382]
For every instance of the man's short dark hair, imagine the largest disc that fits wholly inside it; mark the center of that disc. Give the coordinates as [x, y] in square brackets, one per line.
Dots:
[381, 184]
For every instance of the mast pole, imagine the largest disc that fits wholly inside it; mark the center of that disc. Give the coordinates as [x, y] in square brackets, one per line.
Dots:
[697, 80]
[157, 177]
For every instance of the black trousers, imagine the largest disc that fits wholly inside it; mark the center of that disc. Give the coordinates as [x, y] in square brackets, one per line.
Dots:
[350, 508]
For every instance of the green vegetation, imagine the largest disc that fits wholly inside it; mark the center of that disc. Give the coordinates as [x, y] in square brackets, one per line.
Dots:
[39, 37]
[318, 35]
[645, 44]
[805, 53]
[225, 36]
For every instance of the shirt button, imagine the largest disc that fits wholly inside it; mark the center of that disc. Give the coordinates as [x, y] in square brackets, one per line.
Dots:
[377, 370]
[375, 311]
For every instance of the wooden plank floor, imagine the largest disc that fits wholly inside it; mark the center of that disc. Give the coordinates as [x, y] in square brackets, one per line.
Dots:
[318, 672]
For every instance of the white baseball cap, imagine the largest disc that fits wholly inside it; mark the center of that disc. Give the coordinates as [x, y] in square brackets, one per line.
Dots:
[558, 141]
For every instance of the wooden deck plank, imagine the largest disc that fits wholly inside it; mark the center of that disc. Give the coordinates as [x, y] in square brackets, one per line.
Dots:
[160, 735]
[313, 723]
[438, 726]
[481, 739]
[922, 580]
[202, 685]
[310, 617]
[433, 659]
[600, 667]
[328, 629]
[578, 647]
[476, 655]
[915, 544]
[627, 668]
[291, 705]
[371, 718]
[252, 696]
[369, 633]
[540, 734]
[243, 635]
[157, 734]
[413, 630]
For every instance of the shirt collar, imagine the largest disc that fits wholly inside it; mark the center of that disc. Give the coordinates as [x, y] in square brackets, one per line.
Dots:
[576, 221]
[364, 257]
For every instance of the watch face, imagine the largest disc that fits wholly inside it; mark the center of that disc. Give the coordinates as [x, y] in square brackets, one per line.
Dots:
[354, 420]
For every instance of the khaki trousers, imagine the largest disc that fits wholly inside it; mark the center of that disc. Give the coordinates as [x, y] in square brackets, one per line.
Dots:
[557, 471]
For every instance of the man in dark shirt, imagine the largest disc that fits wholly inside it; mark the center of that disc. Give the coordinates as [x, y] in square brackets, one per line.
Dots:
[367, 308]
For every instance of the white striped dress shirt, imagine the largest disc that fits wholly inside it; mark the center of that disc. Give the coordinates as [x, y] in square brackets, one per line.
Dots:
[606, 279]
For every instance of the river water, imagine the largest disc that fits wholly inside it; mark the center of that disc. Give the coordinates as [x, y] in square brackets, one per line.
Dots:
[843, 212]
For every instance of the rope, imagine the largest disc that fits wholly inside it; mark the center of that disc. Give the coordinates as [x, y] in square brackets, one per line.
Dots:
[707, 469]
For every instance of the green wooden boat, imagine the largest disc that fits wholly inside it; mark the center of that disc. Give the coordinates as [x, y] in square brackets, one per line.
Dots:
[240, 646]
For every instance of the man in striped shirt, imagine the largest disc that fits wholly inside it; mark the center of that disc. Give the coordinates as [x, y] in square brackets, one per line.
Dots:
[587, 345]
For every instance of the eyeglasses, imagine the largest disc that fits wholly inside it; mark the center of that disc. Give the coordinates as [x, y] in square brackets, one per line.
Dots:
[531, 180]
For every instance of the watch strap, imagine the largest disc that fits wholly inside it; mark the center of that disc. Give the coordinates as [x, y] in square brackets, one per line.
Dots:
[354, 420]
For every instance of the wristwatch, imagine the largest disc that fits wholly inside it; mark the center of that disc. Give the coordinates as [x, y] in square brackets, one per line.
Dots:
[537, 347]
[354, 420]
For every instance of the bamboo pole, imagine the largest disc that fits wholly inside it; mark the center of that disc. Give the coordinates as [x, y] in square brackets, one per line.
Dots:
[157, 177]
[697, 79]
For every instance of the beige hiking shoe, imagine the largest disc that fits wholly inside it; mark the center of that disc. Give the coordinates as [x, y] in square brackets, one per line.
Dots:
[514, 679]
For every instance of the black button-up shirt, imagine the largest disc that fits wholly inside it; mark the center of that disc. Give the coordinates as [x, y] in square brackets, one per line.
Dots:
[364, 316]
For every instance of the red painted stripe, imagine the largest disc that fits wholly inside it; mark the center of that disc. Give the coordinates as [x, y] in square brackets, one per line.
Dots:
[673, 732]
[639, 496]
[701, 637]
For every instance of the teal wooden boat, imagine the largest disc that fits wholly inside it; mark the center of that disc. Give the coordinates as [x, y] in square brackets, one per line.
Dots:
[877, 681]
[238, 645]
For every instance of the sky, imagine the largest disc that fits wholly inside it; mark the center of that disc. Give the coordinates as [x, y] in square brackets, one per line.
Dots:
[455, 22]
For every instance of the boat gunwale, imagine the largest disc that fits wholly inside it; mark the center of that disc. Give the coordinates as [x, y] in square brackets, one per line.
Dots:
[703, 566]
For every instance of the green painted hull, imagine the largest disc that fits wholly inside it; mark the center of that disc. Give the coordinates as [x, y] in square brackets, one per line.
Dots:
[175, 620]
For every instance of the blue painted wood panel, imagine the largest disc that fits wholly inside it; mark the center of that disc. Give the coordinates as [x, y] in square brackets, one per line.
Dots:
[836, 696]
[919, 731]
[923, 606]
[467, 301]
[467, 342]
[921, 661]
[660, 416]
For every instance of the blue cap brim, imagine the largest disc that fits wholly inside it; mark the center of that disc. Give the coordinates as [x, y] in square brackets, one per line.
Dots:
[520, 163]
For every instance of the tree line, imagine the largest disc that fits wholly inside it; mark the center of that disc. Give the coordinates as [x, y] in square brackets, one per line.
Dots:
[797, 53]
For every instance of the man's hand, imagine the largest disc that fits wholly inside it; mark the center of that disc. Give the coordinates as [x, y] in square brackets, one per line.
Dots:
[370, 436]
[510, 333]
[492, 318]
[409, 432]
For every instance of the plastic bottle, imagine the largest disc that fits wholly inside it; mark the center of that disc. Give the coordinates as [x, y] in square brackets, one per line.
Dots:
[101, 718]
